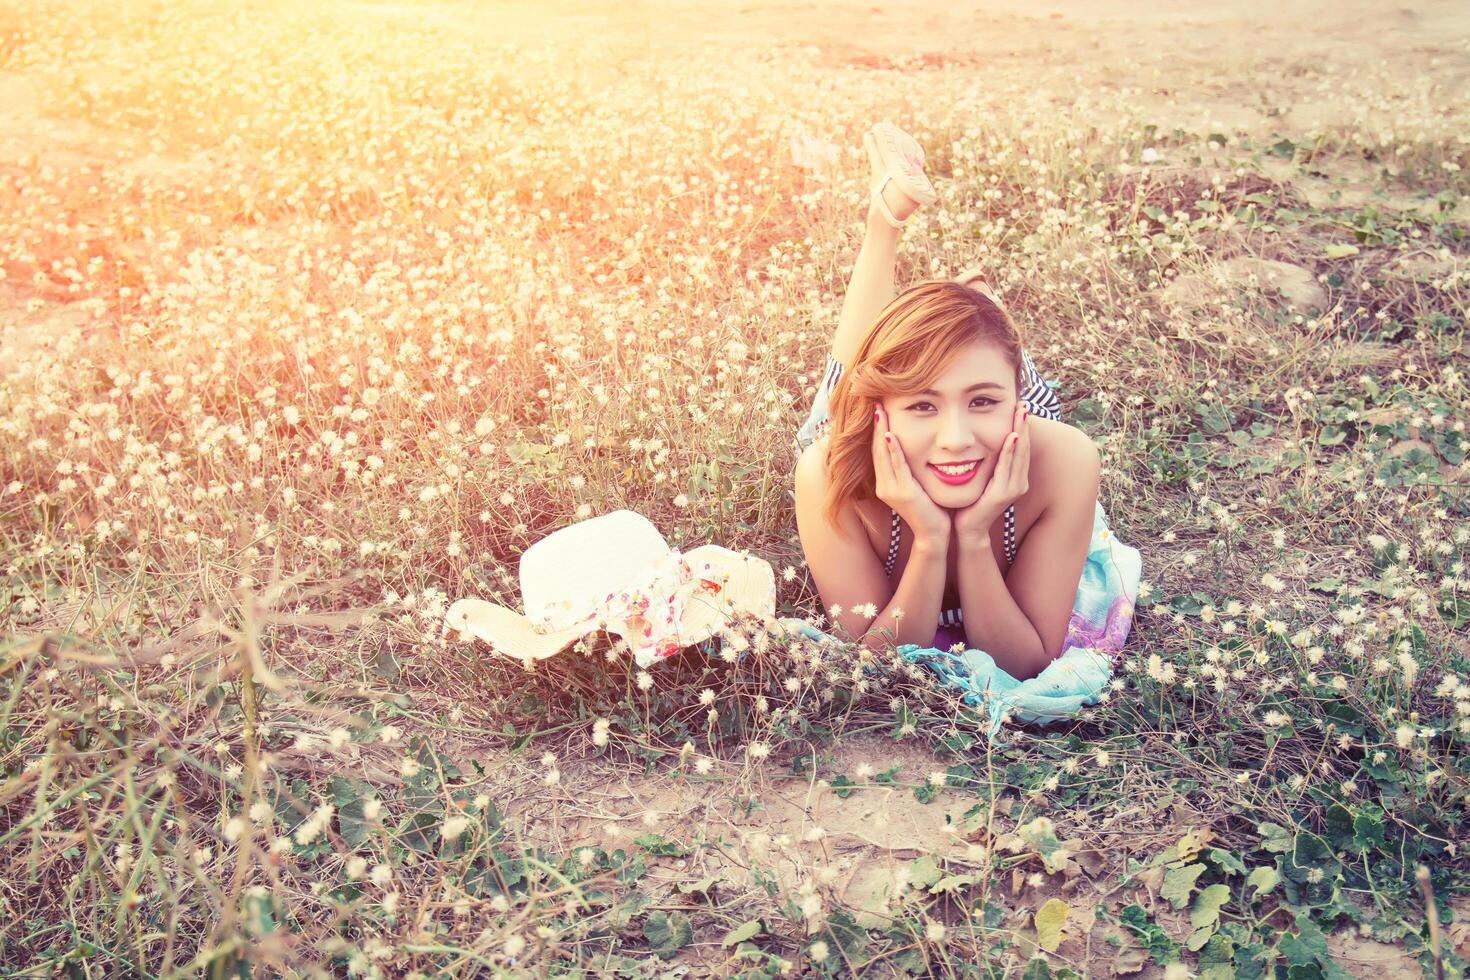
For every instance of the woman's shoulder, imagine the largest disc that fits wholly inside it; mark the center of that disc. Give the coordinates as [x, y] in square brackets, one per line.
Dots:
[812, 478]
[1065, 454]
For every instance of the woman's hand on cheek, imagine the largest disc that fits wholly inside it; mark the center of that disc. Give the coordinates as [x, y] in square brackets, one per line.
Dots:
[895, 484]
[1006, 481]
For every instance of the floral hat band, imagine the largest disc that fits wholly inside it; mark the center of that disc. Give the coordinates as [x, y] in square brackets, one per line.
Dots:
[616, 572]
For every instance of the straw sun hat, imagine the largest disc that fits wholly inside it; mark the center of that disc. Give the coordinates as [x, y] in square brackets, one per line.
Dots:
[616, 572]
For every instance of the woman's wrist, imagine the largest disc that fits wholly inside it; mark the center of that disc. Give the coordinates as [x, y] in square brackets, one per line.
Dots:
[971, 543]
[932, 547]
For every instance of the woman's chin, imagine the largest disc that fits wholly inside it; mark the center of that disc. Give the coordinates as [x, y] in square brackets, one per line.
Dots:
[953, 498]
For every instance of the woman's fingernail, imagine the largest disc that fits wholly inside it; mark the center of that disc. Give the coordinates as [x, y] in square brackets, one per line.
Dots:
[888, 438]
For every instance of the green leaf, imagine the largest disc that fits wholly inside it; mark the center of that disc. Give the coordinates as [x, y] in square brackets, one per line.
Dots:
[655, 844]
[349, 796]
[1283, 148]
[1217, 960]
[741, 933]
[953, 883]
[621, 915]
[925, 792]
[1275, 837]
[1199, 937]
[1340, 251]
[924, 871]
[1227, 861]
[1206, 908]
[259, 917]
[690, 887]
[1179, 883]
[667, 932]
[1214, 417]
[1088, 410]
[844, 933]
[1263, 879]
[1454, 610]
[1049, 921]
[1041, 834]
[1036, 969]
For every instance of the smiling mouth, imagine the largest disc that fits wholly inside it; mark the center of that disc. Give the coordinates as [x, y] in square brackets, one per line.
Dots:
[955, 473]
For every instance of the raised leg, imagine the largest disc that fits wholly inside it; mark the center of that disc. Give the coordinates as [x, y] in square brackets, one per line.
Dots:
[871, 286]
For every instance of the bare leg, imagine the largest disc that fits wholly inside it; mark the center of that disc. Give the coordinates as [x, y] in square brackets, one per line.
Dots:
[871, 287]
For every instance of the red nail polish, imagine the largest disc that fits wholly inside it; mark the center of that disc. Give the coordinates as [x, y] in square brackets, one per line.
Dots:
[888, 438]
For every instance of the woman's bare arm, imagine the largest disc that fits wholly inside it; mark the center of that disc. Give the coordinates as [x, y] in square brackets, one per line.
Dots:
[848, 574]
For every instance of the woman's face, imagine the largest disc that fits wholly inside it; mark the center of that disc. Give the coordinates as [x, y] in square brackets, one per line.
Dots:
[963, 417]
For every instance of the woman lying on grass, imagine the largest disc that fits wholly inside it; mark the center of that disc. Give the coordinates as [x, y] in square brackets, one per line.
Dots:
[940, 499]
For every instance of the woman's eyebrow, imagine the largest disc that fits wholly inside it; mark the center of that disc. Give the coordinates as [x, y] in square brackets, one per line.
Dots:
[976, 387]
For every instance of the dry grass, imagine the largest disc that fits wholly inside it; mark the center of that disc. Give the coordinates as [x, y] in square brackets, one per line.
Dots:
[313, 317]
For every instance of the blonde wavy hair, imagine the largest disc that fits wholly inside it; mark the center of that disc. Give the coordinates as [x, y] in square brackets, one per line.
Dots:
[913, 342]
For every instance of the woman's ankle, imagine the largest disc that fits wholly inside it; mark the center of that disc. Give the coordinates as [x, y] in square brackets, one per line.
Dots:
[878, 224]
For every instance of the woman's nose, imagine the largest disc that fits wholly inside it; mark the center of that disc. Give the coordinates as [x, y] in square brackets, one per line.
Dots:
[954, 432]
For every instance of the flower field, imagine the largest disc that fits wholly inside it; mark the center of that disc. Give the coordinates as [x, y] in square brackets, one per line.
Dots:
[314, 316]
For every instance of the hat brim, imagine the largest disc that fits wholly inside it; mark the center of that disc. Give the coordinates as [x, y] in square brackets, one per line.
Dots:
[508, 632]
[726, 583]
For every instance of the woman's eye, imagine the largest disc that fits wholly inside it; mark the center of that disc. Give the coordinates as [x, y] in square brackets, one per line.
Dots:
[983, 402]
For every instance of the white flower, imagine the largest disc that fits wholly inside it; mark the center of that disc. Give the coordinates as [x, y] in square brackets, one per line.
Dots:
[817, 951]
[453, 827]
